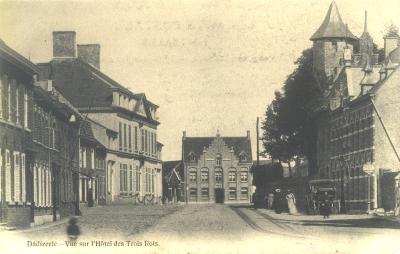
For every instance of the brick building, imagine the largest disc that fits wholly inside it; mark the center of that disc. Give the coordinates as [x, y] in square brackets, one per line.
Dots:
[358, 141]
[92, 162]
[217, 169]
[37, 145]
[133, 165]
[51, 182]
[17, 77]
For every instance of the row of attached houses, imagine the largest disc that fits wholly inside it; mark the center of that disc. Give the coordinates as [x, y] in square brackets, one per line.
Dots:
[70, 136]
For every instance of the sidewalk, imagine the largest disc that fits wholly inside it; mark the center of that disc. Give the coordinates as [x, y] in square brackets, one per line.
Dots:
[304, 217]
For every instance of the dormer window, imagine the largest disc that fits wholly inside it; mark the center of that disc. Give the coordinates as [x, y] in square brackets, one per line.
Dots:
[191, 157]
[242, 157]
[218, 160]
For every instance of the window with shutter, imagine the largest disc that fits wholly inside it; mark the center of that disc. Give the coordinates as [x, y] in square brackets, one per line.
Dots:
[8, 176]
[1, 170]
[23, 178]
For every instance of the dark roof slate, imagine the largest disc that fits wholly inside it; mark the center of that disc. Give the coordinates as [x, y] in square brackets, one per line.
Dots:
[196, 145]
[333, 26]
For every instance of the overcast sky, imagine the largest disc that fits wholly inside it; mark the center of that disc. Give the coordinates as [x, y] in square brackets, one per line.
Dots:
[208, 64]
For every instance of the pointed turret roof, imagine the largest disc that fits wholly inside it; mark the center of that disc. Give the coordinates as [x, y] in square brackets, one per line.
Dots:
[365, 35]
[333, 26]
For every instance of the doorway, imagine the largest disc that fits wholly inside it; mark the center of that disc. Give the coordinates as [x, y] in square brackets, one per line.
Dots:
[219, 195]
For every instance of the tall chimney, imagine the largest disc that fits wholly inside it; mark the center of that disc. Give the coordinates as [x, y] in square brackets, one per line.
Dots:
[391, 43]
[64, 44]
[90, 53]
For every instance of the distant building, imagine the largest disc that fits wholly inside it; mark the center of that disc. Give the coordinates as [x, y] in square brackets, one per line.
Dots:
[217, 169]
[173, 184]
[358, 138]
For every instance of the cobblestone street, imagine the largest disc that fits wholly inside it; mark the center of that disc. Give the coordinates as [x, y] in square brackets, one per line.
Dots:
[197, 228]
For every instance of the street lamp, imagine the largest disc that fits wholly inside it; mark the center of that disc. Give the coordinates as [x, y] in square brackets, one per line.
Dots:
[369, 169]
[345, 167]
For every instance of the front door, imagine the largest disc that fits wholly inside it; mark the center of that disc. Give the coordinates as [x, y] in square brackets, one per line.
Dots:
[219, 195]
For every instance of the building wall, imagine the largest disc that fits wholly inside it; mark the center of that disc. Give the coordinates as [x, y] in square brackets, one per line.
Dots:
[56, 145]
[135, 143]
[328, 55]
[352, 139]
[231, 170]
[15, 140]
[387, 103]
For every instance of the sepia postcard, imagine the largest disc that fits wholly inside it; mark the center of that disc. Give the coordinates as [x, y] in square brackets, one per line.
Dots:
[182, 126]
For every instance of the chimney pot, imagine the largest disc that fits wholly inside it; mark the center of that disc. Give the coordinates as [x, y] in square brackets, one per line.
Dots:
[90, 53]
[391, 43]
[64, 44]
[248, 134]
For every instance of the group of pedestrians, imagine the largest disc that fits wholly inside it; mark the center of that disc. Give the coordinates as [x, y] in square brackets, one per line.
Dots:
[280, 201]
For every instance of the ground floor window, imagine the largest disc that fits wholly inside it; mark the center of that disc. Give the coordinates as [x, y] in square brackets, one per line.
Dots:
[232, 193]
[137, 179]
[204, 193]
[15, 183]
[123, 178]
[42, 184]
[193, 193]
[244, 193]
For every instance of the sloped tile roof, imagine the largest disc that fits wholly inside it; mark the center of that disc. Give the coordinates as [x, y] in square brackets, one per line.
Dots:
[196, 145]
[333, 26]
[17, 58]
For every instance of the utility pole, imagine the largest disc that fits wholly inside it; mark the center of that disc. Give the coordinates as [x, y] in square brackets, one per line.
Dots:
[258, 143]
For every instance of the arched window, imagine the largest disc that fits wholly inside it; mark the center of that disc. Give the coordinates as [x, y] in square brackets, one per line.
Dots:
[218, 160]
[243, 157]
[218, 176]
[232, 176]
[204, 175]
[192, 176]
[191, 157]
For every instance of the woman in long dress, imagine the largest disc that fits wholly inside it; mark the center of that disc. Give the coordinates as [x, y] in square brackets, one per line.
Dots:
[291, 201]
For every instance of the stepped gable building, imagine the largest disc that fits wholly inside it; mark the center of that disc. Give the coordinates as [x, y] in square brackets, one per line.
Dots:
[358, 140]
[217, 169]
[133, 162]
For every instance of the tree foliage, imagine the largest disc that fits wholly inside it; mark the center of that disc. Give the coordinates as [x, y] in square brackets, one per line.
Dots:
[288, 129]
[391, 31]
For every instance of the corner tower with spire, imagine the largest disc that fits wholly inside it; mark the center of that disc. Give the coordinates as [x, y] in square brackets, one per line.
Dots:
[330, 41]
[366, 45]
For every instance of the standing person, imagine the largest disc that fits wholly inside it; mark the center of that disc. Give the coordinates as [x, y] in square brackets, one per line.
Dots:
[291, 202]
[325, 207]
[265, 205]
[73, 230]
[270, 200]
[278, 201]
